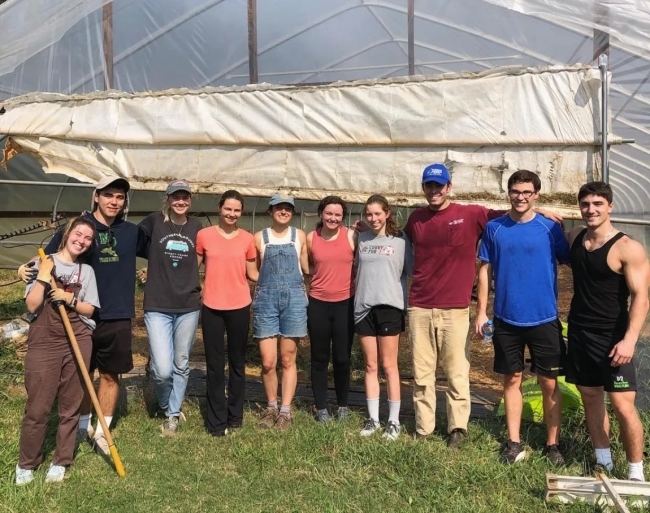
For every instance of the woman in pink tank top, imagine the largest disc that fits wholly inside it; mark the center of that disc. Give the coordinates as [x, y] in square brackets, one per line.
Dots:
[330, 314]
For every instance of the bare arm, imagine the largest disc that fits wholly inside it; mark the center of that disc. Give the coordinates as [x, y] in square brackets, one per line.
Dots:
[258, 247]
[35, 298]
[483, 287]
[556, 218]
[636, 270]
[310, 239]
[353, 237]
[304, 258]
[252, 272]
[199, 260]
[85, 309]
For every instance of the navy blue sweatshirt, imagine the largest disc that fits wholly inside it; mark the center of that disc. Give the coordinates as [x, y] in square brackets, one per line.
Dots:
[113, 258]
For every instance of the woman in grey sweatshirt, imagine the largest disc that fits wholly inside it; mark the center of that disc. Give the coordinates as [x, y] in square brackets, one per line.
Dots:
[383, 261]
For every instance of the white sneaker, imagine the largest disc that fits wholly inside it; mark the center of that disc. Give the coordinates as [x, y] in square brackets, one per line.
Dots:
[23, 476]
[55, 474]
[100, 444]
[393, 429]
[370, 428]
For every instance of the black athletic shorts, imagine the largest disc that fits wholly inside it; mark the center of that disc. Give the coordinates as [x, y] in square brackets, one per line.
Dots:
[588, 363]
[381, 321]
[544, 342]
[112, 347]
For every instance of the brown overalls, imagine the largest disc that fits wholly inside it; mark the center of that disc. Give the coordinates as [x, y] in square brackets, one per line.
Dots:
[50, 367]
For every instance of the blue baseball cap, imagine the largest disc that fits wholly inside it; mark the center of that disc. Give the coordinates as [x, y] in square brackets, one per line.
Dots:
[279, 198]
[437, 173]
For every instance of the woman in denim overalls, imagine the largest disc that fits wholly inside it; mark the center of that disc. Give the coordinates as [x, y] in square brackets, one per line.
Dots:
[280, 306]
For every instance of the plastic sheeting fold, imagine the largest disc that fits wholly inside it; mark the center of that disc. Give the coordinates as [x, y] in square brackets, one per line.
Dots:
[353, 139]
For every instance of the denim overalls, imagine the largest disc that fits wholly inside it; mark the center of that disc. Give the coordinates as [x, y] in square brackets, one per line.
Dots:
[280, 302]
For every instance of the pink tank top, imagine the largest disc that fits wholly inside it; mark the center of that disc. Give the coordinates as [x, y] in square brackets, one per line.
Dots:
[332, 259]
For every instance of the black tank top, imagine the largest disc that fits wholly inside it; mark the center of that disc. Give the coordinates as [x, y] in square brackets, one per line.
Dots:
[600, 295]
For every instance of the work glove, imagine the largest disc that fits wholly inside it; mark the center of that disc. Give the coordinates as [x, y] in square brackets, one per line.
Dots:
[60, 297]
[27, 273]
[45, 270]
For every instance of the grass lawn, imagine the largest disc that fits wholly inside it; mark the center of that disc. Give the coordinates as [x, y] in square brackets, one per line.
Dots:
[309, 468]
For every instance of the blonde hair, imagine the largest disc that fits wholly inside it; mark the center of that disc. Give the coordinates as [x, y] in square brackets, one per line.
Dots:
[72, 224]
[166, 210]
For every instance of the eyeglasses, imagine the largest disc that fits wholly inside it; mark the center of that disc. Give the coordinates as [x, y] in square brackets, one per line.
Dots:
[513, 193]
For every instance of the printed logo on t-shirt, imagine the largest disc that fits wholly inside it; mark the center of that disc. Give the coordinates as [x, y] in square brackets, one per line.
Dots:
[177, 247]
[456, 221]
[108, 253]
[378, 250]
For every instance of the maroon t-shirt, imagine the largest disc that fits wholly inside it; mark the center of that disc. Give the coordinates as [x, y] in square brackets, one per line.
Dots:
[445, 245]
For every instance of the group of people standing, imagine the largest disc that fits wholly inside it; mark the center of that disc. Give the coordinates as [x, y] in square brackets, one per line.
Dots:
[358, 285]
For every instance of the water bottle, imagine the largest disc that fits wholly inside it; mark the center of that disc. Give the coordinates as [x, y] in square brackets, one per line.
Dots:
[488, 331]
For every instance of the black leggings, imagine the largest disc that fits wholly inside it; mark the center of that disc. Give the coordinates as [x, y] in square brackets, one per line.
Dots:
[330, 324]
[215, 324]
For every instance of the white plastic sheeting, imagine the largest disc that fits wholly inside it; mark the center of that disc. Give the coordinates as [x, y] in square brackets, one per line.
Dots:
[350, 138]
[57, 46]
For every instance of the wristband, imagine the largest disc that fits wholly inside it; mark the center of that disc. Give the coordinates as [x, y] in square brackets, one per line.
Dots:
[73, 303]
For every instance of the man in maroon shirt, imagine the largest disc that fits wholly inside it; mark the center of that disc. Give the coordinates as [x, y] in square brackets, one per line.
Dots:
[445, 237]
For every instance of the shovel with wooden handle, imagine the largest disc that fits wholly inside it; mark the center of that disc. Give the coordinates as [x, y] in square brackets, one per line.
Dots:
[89, 384]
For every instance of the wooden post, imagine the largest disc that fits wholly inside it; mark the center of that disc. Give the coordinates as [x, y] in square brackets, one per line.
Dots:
[411, 36]
[252, 42]
[107, 29]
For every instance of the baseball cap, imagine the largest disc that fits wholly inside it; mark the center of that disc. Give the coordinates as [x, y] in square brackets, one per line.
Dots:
[280, 197]
[115, 181]
[437, 173]
[178, 185]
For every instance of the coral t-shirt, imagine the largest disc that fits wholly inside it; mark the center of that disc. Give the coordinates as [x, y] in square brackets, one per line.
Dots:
[445, 244]
[226, 286]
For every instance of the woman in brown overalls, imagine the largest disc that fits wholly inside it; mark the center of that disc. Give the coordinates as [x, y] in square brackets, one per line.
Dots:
[50, 365]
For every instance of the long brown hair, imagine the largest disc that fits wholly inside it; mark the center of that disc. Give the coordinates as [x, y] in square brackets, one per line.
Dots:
[392, 228]
[72, 224]
[330, 200]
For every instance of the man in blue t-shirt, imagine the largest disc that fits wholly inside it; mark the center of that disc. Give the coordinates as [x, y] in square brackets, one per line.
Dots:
[522, 250]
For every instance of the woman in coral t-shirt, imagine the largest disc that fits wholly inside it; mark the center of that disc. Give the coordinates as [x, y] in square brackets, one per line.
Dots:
[228, 253]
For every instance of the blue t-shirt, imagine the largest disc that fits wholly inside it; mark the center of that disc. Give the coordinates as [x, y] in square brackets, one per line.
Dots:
[524, 259]
[113, 258]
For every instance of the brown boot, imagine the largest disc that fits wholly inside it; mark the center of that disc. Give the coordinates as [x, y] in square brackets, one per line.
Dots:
[268, 418]
[283, 422]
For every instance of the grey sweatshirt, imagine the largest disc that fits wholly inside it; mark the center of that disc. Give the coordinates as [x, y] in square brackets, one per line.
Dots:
[383, 262]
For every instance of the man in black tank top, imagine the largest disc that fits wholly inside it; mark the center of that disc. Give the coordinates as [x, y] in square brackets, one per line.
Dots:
[608, 269]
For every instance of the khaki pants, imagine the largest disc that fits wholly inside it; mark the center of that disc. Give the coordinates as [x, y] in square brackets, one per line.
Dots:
[440, 333]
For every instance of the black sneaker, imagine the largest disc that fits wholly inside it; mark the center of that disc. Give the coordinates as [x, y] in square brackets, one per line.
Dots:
[512, 452]
[456, 438]
[552, 452]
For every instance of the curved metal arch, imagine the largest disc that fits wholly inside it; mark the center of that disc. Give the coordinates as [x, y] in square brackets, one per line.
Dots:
[631, 195]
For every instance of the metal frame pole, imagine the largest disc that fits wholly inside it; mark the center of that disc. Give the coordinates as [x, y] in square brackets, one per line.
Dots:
[604, 123]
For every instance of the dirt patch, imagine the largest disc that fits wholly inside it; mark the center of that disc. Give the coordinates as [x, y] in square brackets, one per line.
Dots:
[481, 356]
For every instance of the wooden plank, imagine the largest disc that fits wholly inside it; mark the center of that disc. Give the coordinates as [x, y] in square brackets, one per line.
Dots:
[107, 41]
[569, 489]
[252, 42]
[618, 502]
[411, 36]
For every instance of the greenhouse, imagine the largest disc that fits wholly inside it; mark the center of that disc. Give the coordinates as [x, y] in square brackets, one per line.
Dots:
[345, 97]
